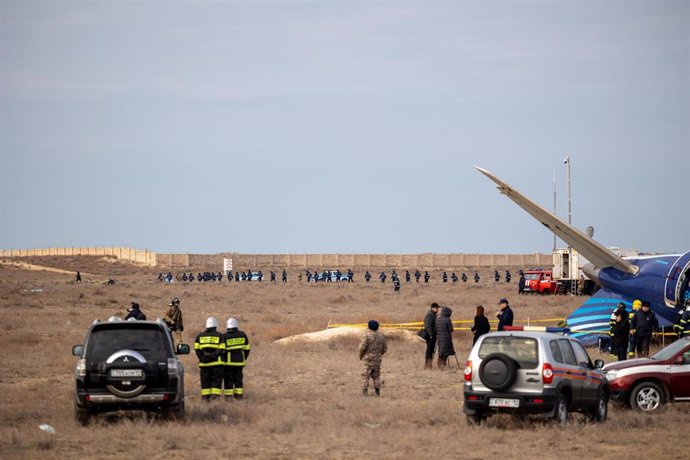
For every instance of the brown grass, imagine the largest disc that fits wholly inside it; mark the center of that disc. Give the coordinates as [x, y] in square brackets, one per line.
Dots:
[303, 400]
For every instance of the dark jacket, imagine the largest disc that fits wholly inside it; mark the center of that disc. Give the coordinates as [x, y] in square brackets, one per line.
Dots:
[136, 314]
[505, 318]
[644, 323]
[444, 329]
[480, 327]
[621, 332]
[430, 323]
[237, 347]
[210, 348]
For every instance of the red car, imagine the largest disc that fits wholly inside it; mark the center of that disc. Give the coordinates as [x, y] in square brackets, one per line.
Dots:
[648, 383]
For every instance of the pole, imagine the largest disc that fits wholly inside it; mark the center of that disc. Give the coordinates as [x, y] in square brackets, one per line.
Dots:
[570, 222]
[570, 197]
[554, 204]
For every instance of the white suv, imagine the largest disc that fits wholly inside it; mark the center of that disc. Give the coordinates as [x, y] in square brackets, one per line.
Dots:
[533, 373]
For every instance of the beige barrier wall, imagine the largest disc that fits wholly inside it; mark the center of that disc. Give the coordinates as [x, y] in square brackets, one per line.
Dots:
[246, 261]
[133, 255]
[344, 261]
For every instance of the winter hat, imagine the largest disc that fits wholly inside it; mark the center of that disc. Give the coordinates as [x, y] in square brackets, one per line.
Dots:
[373, 325]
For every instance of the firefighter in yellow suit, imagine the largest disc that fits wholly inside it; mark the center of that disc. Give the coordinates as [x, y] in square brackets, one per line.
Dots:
[210, 349]
[237, 350]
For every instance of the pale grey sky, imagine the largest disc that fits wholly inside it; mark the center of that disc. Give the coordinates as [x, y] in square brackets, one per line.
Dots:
[341, 126]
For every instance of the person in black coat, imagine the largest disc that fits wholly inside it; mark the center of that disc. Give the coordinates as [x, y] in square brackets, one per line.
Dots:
[504, 315]
[481, 324]
[135, 313]
[643, 324]
[444, 332]
[430, 338]
[521, 284]
[621, 332]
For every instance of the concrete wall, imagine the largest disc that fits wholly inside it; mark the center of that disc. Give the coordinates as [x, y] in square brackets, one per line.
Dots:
[344, 261]
[133, 255]
[255, 261]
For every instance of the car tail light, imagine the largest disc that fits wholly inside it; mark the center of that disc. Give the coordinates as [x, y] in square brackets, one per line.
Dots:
[87, 398]
[473, 398]
[166, 397]
[468, 371]
[172, 366]
[538, 401]
[81, 368]
[547, 373]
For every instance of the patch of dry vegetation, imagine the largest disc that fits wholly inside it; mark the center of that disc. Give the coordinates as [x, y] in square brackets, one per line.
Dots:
[302, 400]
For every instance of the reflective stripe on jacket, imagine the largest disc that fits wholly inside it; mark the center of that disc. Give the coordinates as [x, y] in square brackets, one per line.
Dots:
[237, 347]
[210, 348]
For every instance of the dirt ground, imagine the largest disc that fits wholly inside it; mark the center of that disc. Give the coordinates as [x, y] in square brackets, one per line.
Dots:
[302, 400]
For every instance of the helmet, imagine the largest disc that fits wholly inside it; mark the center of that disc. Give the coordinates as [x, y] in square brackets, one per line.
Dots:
[175, 301]
[637, 304]
[232, 323]
[211, 322]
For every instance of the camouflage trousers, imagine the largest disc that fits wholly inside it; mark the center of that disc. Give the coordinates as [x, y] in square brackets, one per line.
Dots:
[178, 337]
[372, 370]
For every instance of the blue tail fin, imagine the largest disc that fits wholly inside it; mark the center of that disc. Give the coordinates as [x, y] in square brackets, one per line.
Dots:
[591, 319]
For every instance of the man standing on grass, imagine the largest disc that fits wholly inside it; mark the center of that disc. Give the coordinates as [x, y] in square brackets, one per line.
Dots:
[237, 348]
[430, 335]
[173, 319]
[371, 351]
[210, 349]
[504, 315]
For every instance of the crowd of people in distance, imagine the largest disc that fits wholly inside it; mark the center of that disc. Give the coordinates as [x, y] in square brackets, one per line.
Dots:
[325, 276]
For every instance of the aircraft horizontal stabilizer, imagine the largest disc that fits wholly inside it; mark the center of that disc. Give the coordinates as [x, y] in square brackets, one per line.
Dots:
[597, 254]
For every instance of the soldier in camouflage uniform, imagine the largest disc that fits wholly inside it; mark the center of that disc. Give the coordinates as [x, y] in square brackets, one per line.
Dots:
[173, 318]
[371, 351]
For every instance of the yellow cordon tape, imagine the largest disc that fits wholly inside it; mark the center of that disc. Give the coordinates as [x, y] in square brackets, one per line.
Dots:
[415, 325]
[420, 324]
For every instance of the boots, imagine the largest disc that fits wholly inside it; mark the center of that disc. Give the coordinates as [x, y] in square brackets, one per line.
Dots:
[378, 391]
[427, 363]
[442, 362]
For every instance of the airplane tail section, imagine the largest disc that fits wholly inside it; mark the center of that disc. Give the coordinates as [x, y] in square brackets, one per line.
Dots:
[591, 320]
[593, 251]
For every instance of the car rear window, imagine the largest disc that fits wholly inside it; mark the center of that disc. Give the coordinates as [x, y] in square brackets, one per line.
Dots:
[149, 341]
[524, 350]
[556, 351]
[567, 350]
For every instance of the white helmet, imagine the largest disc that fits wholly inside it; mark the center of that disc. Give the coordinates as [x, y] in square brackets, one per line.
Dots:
[211, 322]
[232, 323]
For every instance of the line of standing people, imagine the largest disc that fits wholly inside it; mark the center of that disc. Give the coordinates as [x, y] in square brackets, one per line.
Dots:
[438, 330]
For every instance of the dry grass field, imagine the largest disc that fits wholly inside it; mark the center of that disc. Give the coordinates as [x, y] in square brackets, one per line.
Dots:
[301, 400]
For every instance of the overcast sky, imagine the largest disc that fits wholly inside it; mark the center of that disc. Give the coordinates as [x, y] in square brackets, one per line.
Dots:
[341, 126]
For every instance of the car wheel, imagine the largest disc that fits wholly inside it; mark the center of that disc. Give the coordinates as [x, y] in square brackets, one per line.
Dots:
[498, 371]
[647, 396]
[600, 410]
[560, 414]
[175, 412]
[474, 419]
[82, 416]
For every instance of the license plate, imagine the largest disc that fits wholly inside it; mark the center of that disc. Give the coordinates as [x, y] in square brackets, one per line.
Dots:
[502, 402]
[126, 373]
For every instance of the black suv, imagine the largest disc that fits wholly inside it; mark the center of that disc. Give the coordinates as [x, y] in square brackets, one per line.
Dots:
[128, 365]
